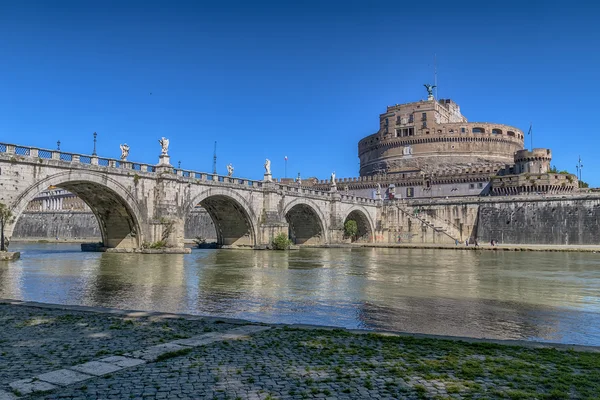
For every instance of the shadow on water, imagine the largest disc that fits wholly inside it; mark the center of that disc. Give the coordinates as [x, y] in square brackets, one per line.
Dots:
[505, 295]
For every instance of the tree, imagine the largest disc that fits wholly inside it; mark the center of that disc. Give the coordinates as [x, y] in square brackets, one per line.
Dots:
[6, 217]
[351, 229]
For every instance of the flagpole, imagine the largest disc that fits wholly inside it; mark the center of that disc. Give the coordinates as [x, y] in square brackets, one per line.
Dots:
[531, 135]
[285, 173]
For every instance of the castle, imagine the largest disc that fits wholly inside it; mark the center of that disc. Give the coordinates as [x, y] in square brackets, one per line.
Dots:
[428, 149]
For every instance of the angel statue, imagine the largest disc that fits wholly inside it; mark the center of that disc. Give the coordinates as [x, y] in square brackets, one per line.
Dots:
[378, 192]
[429, 89]
[333, 177]
[124, 151]
[267, 167]
[229, 169]
[164, 144]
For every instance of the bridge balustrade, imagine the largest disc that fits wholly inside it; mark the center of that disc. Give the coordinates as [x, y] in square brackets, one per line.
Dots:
[114, 163]
[21, 151]
[66, 157]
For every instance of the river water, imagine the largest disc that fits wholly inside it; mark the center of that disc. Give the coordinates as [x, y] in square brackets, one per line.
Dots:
[503, 295]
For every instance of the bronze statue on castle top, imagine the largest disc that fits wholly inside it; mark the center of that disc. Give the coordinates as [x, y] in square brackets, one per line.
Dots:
[429, 89]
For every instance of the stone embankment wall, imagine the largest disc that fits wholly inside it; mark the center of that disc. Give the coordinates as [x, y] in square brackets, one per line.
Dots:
[84, 226]
[553, 220]
[560, 222]
[200, 224]
[61, 225]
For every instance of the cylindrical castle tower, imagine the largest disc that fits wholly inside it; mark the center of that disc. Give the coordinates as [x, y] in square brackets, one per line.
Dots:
[434, 136]
[536, 161]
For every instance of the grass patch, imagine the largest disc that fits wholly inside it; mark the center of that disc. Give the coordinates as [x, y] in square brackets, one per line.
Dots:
[172, 354]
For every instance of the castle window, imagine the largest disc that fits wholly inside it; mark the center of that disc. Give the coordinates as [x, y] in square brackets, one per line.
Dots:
[410, 119]
[424, 117]
[480, 185]
[510, 133]
[439, 131]
[497, 131]
[471, 186]
[478, 130]
[410, 192]
[387, 122]
[462, 130]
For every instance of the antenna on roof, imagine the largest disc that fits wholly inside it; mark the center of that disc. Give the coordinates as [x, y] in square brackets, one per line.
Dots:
[435, 75]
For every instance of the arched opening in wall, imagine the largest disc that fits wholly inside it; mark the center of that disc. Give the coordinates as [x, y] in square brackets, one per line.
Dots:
[364, 233]
[497, 131]
[232, 223]
[478, 130]
[305, 226]
[56, 214]
[200, 228]
[510, 133]
[116, 222]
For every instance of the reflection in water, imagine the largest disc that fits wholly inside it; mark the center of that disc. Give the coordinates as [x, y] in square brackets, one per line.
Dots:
[509, 295]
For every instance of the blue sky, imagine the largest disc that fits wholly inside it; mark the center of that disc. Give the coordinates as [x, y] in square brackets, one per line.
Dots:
[303, 79]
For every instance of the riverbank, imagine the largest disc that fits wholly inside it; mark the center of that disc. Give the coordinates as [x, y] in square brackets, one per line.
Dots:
[487, 247]
[435, 246]
[83, 352]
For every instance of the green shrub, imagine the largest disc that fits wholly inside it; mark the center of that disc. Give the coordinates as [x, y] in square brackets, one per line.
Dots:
[351, 229]
[281, 242]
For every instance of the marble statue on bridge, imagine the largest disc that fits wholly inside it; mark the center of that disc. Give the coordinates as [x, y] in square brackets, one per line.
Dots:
[267, 167]
[164, 144]
[124, 151]
[229, 169]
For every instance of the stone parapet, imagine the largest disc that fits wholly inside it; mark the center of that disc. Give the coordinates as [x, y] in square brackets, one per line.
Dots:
[533, 183]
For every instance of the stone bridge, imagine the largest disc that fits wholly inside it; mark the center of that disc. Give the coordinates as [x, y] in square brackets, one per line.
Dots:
[138, 205]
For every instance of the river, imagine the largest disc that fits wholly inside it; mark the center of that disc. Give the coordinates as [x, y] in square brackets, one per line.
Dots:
[538, 296]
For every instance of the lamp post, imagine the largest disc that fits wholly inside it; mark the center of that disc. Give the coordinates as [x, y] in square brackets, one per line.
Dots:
[94, 152]
[579, 168]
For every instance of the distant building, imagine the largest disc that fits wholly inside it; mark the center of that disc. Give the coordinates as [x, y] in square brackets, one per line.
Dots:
[54, 199]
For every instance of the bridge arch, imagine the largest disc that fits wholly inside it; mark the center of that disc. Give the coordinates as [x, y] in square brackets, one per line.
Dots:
[366, 226]
[307, 224]
[233, 216]
[116, 209]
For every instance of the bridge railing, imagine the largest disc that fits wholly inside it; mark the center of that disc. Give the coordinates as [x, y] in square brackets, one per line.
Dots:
[324, 193]
[204, 176]
[72, 158]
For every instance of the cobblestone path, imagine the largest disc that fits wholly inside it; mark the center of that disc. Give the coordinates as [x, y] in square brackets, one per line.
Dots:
[253, 362]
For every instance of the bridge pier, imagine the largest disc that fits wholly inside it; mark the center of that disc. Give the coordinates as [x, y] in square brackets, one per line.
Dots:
[271, 223]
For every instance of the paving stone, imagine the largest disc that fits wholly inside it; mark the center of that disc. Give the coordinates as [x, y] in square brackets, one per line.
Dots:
[152, 353]
[199, 340]
[63, 377]
[27, 386]
[96, 368]
[7, 395]
[249, 329]
[124, 362]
